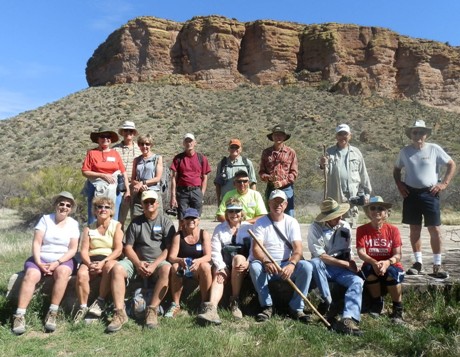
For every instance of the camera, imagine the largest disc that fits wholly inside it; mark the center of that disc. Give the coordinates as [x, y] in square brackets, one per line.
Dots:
[357, 200]
[171, 211]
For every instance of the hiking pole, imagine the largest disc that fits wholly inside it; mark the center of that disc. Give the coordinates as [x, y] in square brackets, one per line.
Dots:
[325, 175]
[290, 282]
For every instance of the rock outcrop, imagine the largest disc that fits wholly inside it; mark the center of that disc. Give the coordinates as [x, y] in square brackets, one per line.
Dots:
[217, 52]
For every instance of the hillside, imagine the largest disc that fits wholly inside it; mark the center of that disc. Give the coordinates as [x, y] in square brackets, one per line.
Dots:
[58, 133]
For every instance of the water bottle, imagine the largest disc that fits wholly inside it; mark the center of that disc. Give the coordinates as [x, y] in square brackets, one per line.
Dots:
[188, 263]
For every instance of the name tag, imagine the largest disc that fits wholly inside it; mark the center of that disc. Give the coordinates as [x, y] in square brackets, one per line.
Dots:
[110, 159]
[251, 204]
[157, 228]
[199, 247]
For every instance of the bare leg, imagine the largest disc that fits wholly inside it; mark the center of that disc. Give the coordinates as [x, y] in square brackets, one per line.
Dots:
[82, 284]
[104, 285]
[435, 239]
[374, 289]
[26, 292]
[161, 286]
[205, 279]
[238, 276]
[415, 240]
[176, 284]
[119, 275]
[217, 290]
[61, 279]
[395, 292]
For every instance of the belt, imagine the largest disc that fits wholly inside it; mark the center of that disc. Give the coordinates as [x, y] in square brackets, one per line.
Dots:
[418, 190]
[188, 188]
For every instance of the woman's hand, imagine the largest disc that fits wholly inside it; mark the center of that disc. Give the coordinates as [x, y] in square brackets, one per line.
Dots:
[221, 276]
[96, 267]
[109, 178]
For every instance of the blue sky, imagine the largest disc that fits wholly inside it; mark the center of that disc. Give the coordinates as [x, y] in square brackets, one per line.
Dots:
[45, 44]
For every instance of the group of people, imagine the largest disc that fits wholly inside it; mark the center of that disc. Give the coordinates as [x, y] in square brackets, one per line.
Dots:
[151, 249]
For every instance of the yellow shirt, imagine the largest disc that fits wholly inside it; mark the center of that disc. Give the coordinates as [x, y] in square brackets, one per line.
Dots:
[101, 244]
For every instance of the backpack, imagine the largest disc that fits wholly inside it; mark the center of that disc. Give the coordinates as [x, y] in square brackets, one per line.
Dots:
[222, 178]
[137, 305]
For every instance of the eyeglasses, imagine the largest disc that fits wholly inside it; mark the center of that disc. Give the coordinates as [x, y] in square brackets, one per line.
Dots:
[342, 133]
[234, 210]
[144, 144]
[103, 207]
[131, 131]
[241, 181]
[234, 147]
[149, 201]
[190, 218]
[377, 208]
[65, 204]
[105, 136]
[418, 132]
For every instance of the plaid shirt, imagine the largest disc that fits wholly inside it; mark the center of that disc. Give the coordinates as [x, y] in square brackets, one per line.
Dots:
[279, 165]
[127, 155]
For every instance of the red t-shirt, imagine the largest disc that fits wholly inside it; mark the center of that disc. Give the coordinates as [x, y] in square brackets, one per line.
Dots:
[190, 171]
[103, 162]
[379, 244]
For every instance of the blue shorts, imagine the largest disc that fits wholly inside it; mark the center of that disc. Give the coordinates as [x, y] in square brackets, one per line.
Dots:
[396, 273]
[420, 205]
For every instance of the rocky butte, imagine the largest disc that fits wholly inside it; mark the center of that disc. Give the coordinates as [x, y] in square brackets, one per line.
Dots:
[218, 52]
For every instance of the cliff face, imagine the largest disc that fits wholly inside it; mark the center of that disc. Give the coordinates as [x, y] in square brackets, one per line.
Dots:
[217, 52]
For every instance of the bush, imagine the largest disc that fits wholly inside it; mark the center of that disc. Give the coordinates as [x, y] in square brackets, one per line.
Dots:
[39, 189]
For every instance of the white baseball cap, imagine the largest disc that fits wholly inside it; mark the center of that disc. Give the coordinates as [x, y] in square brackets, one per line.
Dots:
[278, 193]
[189, 136]
[343, 127]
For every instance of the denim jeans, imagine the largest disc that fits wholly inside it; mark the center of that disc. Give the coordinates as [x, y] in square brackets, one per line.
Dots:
[301, 277]
[344, 277]
[89, 192]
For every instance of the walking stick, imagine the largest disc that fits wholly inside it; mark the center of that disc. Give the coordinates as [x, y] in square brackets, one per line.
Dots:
[325, 175]
[290, 282]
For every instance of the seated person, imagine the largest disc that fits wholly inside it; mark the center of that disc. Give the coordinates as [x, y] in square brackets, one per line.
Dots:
[253, 203]
[230, 245]
[379, 246]
[100, 248]
[190, 256]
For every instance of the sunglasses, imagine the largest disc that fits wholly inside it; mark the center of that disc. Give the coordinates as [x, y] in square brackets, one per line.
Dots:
[233, 210]
[128, 131]
[377, 208]
[144, 144]
[234, 147]
[105, 136]
[149, 201]
[103, 207]
[190, 218]
[241, 181]
[418, 132]
[65, 204]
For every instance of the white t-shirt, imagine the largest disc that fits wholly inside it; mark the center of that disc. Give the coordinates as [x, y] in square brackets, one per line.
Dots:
[56, 239]
[264, 231]
[422, 166]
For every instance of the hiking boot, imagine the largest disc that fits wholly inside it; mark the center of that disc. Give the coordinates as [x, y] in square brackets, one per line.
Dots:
[97, 308]
[151, 317]
[376, 307]
[118, 320]
[235, 309]
[439, 272]
[300, 316]
[80, 315]
[19, 324]
[415, 269]
[209, 315]
[173, 310]
[50, 321]
[396, 316]
[348, 326]
[265, 314]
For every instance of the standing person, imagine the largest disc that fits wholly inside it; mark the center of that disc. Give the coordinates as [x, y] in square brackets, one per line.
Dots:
[190, 256]
[189, 177]
[420, 189]
[227, 168]
[128, 150]
[101, 245]
[278, 166]
[379, 247]
[146, 174]
[279, 233]
[146, 246]
[346, 172]
[251, 200]
[329, 241]
[101, 167]
[54, 246]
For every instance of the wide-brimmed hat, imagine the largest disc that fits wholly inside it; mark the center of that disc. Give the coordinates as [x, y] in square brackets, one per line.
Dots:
[377, 201]
[419, 124]
[127, 125]
[149, 194]
[103, 130]
[191, 212]
[330, 209]
[64, 194]
[279, 128]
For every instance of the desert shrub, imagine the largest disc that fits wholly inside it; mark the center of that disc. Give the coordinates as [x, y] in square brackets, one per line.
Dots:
[39, 188]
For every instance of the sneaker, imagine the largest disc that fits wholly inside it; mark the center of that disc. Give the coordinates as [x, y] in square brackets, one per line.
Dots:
[376, 307]
[209, 315]
[300, 316]
[265, 314]
[396, 316]
[415, 269]
[50, 321]
[173, 310]
[439, 272]
[80, 315]
[118, 320]
[235, 309]
[151, 317]
[19, 324]
[348, 326]
[97, 308]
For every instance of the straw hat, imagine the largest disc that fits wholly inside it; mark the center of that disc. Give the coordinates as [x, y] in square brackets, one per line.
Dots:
[419, 124]
[127, 125]
[330, 209]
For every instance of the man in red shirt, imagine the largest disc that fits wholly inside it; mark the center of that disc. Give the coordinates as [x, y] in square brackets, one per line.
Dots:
[189, 177]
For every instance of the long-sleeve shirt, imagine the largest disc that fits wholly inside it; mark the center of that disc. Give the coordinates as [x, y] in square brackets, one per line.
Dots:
[281, 165]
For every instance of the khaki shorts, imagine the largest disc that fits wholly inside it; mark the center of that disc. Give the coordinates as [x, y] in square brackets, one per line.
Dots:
[132, 272]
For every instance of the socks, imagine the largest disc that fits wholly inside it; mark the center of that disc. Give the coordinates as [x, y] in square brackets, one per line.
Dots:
[437, 259]
[54, 307]
[418, 257]
[20, 311]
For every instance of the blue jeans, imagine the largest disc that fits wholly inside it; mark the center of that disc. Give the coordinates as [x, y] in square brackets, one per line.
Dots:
[89, 193]
[344, 277]
[301, 277]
